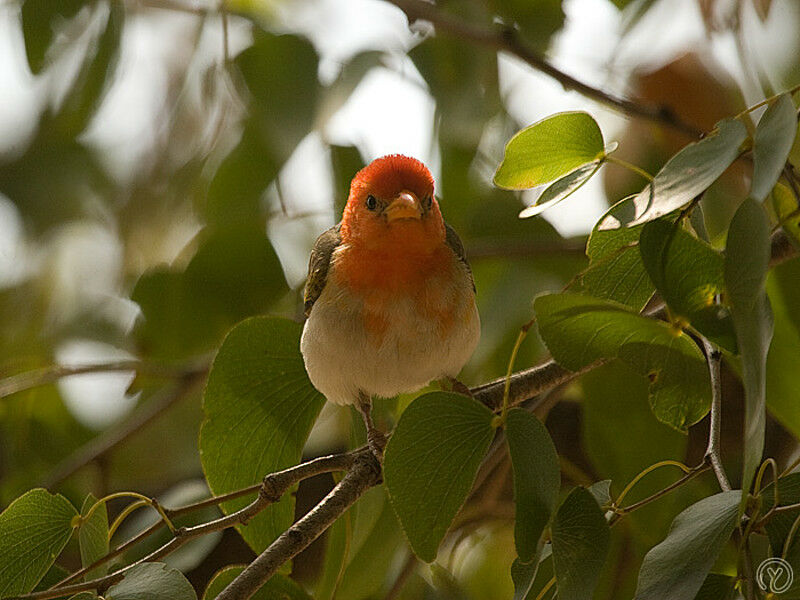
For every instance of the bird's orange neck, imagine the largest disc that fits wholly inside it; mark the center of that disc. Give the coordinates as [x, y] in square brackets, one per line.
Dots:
[401, 260]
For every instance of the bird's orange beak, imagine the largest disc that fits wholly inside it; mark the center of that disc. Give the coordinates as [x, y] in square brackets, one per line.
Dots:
[405, 206]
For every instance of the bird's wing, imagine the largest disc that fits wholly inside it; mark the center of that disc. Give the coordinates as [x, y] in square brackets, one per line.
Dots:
[452, 240]
[318, 266]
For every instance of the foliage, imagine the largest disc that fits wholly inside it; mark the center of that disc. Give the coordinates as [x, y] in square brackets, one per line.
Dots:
[184, 259]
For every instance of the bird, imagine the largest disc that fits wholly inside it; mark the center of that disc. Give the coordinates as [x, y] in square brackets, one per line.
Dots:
[390, 297]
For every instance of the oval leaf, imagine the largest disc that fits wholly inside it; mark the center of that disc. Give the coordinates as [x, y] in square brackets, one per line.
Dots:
[153, 581]
[277, 587]
[688, 273]
[260, 407]
[747, 254]
[691, 171]
[677, 567]
[548, 150]
[615, 270]
[561, 189]
[581, 538]
[771, 145]
[579, 330]
[430, 464]
[537, 478]
[33, 531]
[93, 537]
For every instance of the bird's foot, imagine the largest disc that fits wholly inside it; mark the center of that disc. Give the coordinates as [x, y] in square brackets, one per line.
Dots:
[458, 387]
[376, 439]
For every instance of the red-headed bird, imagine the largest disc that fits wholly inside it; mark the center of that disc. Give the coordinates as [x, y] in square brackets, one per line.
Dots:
[390, 298]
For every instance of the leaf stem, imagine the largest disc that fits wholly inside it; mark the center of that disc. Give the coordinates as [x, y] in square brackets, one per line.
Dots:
[546, 588]
[523, 332]
[630, 166]
[714, 359]
[653, 467]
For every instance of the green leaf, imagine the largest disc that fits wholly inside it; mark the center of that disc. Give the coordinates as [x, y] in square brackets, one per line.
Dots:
[278, 587]
[431, 462]
[783, 378]
[259, 407]
[562, 188]
[33, 530]
[686, 175]
[38, 19]
[786, 209]
[688, 273]
[771, 145]
[152, 581]
[548, 150]
[523, 575]
[93, 537]
[677, 567]
[538, 20]
[581, 538]
[234, 274]
[373, 547]
[716, 587]
[615, 270]
[578, 330]
[747, 254]
[537, 478]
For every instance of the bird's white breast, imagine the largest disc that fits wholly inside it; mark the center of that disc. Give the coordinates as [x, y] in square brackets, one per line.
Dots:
[344, 355]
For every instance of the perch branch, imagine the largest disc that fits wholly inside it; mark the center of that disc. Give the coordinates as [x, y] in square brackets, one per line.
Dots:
[365, 473]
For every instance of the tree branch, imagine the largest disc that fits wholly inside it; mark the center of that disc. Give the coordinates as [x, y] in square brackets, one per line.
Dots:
[365, 473]
[507, 40]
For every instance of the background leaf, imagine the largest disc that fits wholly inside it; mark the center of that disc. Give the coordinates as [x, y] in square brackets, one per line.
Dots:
[677, 567]
[747, 254]
[430, 464]
[580, 537]
[537, 479]
[33, 531]
[548, 150]
[259, 407]
[561, 189]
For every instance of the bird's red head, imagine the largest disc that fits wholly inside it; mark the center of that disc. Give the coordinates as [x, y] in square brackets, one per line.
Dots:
[391, 206]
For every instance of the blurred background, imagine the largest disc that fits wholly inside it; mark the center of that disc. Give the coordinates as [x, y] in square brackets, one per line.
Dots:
[165, 166]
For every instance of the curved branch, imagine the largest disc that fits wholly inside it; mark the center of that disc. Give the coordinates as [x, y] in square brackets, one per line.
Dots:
[508, 41]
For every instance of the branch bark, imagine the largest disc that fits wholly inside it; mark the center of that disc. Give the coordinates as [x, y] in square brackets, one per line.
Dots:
[714, 358]
[365, 473]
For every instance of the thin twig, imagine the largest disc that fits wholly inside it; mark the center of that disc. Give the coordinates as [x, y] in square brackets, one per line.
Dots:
[507, 40]
[365, 473]
[273, 487]
[714, 358]
[111, 438]
[38, 377]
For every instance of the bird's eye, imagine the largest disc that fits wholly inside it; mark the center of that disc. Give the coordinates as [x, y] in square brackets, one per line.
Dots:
[372, 203]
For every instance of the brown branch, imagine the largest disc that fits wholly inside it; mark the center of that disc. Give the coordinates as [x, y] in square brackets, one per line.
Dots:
[273, 487]
[507, 40]
[568, 249]
[714, 358]
[365, 473]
